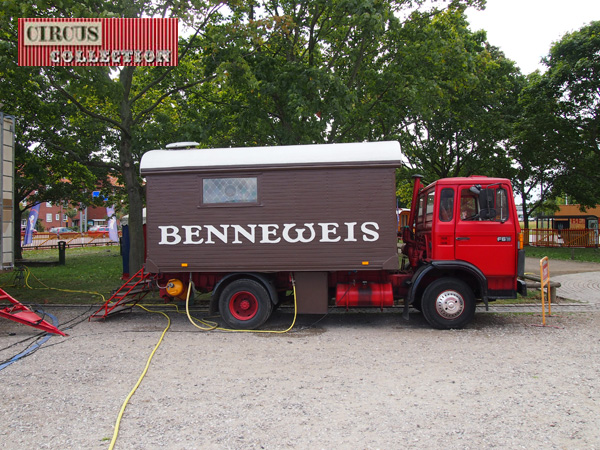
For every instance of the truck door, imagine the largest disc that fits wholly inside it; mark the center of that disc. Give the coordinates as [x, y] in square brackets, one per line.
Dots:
[486, 235]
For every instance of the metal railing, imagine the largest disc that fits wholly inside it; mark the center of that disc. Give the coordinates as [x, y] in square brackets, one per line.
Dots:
[544, 237]
[72, 239]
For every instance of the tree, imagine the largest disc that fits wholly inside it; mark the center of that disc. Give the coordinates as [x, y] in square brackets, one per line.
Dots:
[573, 83]
[535, 145]
[462, 94]
[121, 101]
[311, 72]
[268, 72]
[48, 145]
[306, 72]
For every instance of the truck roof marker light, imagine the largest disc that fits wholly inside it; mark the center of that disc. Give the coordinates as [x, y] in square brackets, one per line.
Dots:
[365, 263]
[184, 264]
[182, 145]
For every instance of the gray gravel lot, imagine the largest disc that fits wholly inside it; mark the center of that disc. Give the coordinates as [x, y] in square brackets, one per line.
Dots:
[352, 380]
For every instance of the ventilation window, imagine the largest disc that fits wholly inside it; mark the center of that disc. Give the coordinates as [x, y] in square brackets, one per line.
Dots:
[229, 190]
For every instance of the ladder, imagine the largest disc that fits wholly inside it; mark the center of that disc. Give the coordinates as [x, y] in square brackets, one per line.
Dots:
[22, 314]
[126, 297]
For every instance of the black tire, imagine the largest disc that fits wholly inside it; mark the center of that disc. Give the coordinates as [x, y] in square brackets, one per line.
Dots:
[448, 303]
[245, 304]
[417, 304]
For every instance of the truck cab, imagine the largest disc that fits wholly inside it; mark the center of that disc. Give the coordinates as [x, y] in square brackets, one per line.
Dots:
[467, 229]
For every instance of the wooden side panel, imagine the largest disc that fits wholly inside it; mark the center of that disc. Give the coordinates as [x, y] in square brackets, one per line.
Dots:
[347, 215]
[311, 292]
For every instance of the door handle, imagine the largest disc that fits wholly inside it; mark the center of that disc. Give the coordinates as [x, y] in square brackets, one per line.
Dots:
[463, 238]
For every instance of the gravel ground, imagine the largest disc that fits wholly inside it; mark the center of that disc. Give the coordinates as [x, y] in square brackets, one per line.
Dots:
[351, 380]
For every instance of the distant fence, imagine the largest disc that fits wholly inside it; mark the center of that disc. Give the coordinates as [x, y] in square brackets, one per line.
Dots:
[544, 237]
[74, 239]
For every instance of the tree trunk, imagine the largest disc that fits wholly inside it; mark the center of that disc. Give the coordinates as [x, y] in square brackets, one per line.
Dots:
[525, 211]
[135, 196]
[132, 182]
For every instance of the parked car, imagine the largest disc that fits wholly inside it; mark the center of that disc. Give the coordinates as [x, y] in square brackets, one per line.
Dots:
[59, 230]
[98, 231]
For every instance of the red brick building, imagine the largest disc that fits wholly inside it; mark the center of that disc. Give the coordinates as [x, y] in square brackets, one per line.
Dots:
[52, 216]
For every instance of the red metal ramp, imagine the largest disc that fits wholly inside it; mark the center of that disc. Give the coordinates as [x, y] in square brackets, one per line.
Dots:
[126, 297]
[22, 314]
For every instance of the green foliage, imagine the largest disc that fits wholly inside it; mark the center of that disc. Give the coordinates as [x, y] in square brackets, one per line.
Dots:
[275, 72]
[307, 72]
[107, 106]
[573, 81]
[404, 187]
[555, 140]
[461, 98]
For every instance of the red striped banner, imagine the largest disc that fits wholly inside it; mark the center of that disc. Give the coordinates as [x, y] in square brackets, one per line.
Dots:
[98, 42]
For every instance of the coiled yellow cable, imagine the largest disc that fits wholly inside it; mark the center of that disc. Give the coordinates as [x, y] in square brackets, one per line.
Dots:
[209, 326]
[213, 326]
[28, 273]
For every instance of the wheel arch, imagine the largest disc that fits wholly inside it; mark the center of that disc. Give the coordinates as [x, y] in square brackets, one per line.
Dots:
[263, 279]
[461, 270]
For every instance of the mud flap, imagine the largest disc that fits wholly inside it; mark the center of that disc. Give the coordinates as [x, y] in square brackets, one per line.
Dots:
[522, 288]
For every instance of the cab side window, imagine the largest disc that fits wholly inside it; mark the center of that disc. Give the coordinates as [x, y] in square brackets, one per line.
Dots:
[446, 205]
[501, 205]
[468, 205]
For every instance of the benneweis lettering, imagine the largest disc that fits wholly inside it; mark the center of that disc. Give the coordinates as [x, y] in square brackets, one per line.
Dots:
[269, 233]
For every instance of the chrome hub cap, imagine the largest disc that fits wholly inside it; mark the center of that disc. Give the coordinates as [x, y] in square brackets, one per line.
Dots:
[450, 304]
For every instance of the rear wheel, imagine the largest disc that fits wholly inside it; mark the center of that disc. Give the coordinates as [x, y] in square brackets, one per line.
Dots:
[448, 303]
[245, 304]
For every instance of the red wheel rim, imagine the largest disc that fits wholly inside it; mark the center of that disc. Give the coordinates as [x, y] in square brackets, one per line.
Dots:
[243, 305]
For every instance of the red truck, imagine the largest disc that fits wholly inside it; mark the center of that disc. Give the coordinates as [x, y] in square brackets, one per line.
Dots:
[251, 224]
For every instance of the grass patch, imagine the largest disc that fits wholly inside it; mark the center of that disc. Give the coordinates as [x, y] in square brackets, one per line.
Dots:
[562, 253]
[533, 296]
[87, 270]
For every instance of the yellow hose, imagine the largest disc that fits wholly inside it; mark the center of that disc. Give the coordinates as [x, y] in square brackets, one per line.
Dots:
[120, 416]
[209, 327]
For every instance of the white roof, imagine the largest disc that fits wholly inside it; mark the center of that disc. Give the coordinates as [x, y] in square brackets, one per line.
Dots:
[373, 152]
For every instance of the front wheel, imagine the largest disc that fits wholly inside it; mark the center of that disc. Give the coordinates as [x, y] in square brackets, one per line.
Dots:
[448, 303]
[245, 304]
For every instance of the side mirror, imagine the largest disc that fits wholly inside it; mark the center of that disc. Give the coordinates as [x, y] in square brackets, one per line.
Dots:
[475, 189]
[486, 198]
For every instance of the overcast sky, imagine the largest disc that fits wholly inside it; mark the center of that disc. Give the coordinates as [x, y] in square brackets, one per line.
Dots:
[525, 29]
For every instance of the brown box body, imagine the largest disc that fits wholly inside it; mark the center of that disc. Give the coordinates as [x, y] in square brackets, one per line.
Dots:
[347, 195]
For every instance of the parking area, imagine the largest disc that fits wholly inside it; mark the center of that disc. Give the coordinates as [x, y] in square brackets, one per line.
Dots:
[346, 380]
